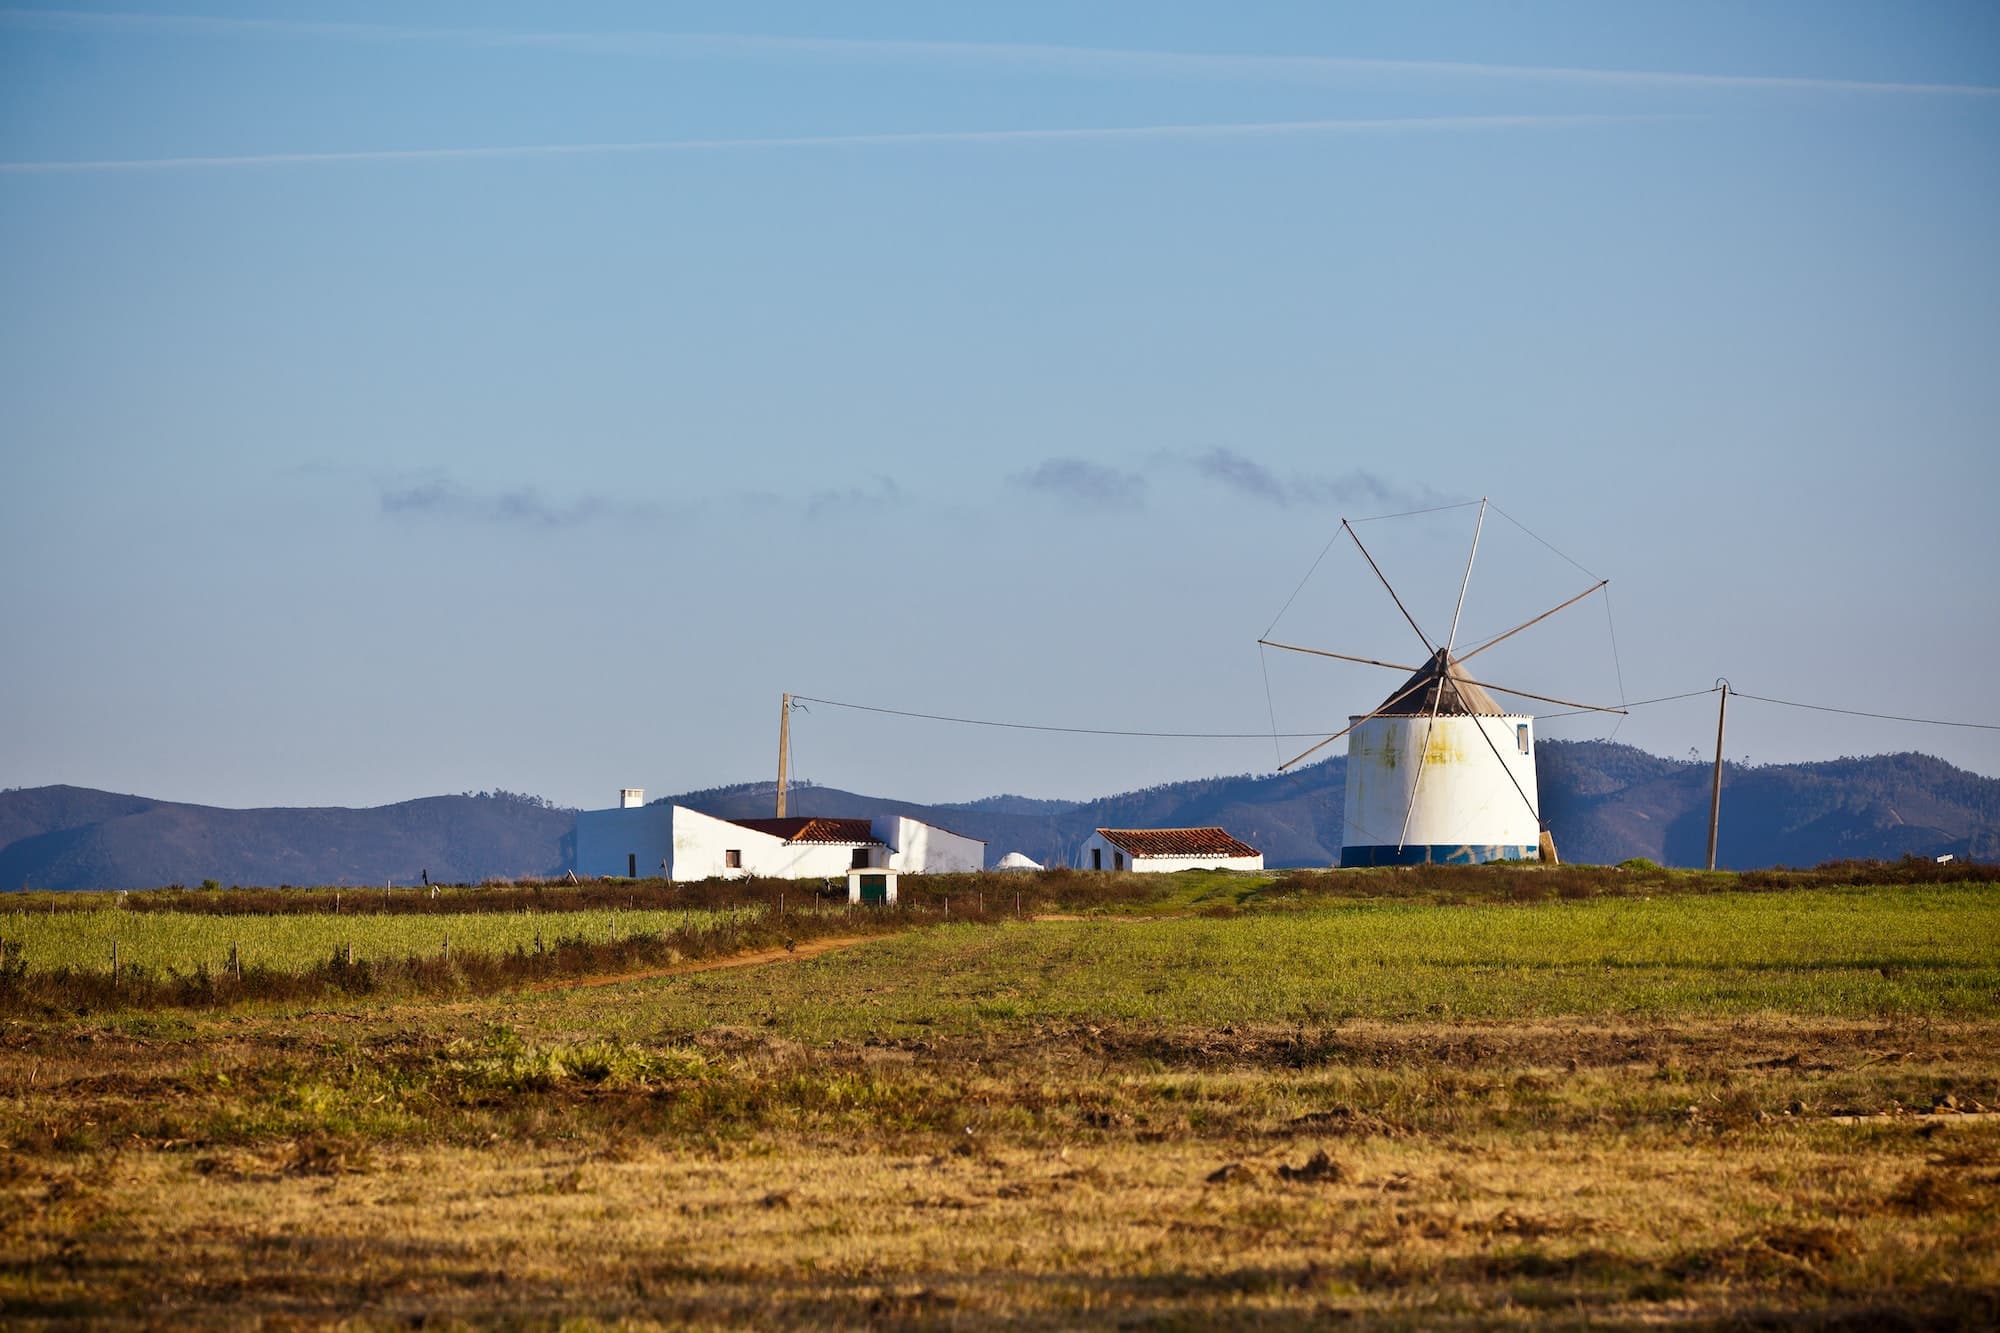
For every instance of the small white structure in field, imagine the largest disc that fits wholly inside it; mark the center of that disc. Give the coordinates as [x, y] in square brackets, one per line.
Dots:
[1440, 773]
[684, 844]
[875, 888]
[1016, 861]
[1163, 850]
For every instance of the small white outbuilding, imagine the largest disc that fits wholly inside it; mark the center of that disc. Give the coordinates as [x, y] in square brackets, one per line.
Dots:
[872, 888]
[1164, 850]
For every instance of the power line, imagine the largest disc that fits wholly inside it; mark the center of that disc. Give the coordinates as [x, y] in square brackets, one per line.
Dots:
[1276, 735]
[1855, 712]
[1635, 703]
[1073, 731]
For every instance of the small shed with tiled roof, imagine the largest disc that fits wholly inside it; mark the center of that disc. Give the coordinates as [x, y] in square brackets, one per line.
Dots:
[1160, 850]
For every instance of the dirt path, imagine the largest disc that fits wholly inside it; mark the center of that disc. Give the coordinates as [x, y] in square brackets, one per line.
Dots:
[810, 949]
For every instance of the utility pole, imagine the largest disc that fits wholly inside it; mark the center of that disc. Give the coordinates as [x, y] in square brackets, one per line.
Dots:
[785, 749]
[1715, 789]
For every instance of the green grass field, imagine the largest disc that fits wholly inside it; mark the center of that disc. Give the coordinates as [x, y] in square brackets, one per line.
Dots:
[1218, 1103]
[1853, 953]
[186, 941]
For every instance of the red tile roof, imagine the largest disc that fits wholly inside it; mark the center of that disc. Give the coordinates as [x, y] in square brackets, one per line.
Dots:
[813, 828]
[1177, 842]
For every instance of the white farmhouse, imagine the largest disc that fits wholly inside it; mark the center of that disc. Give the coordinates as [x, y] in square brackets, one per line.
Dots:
[1160, 850]
[682, 844]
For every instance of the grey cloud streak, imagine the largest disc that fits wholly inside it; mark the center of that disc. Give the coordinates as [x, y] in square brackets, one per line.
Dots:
[1251, 479]
[523, 506]
[1079, 481]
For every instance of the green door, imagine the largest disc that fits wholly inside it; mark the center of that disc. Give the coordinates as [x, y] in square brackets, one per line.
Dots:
[874, 889]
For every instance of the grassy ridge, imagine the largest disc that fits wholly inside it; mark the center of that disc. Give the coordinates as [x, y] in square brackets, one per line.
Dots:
[1854, 953]
[1200, 949]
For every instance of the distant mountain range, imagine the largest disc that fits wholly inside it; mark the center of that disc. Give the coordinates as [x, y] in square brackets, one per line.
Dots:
[1603, 802]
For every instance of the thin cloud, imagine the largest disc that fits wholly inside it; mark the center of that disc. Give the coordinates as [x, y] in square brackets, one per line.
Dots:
[1253, 480]
[1079, 481]
[1232, 130]
[524, 507]
[1242, 475]
[1049, 57]
[881, 492]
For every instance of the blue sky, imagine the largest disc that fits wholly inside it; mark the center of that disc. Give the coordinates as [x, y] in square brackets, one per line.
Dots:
[398, 399]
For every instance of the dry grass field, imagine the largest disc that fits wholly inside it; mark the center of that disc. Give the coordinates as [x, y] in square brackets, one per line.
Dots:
[1734, 1110]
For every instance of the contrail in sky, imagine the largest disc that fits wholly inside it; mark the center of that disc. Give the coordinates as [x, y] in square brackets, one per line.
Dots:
[1268, 129]
[1074, 59]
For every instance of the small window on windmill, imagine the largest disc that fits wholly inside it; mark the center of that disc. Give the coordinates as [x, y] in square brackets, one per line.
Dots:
[1521, 737]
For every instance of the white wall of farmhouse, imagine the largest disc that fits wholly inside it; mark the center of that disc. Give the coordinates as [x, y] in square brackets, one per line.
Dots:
[702, 844]
[629, 841]
[636, 840]
[920, 848]
[1166, 865]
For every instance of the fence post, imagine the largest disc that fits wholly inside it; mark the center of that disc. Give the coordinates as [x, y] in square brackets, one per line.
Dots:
[236, 959]
[114, 961]
[447, 948]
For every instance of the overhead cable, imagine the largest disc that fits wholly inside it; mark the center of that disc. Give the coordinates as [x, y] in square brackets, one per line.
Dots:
[1322, 732]
[1855, 712]
[1073, 731]
[1635, 703]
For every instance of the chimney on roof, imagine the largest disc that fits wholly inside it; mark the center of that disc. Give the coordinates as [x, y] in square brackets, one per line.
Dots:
[631, 797]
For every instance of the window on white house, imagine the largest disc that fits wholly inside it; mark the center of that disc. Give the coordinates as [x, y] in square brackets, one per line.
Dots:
[1521, 737]
[860, 861]
[733, 859]
[1117, 860]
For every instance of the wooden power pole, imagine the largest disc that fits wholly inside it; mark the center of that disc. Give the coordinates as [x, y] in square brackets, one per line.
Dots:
[785, 753]
[1715, 788]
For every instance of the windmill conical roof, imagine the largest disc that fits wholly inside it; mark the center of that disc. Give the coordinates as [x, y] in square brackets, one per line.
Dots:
[1441, 685]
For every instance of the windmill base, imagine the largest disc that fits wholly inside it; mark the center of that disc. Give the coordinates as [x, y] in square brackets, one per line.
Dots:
[1438, 854]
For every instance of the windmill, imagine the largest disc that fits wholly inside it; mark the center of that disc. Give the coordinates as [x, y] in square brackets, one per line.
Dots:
[1439, 771]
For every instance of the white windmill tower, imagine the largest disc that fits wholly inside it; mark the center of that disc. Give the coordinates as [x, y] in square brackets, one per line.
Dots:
[1439, 772]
